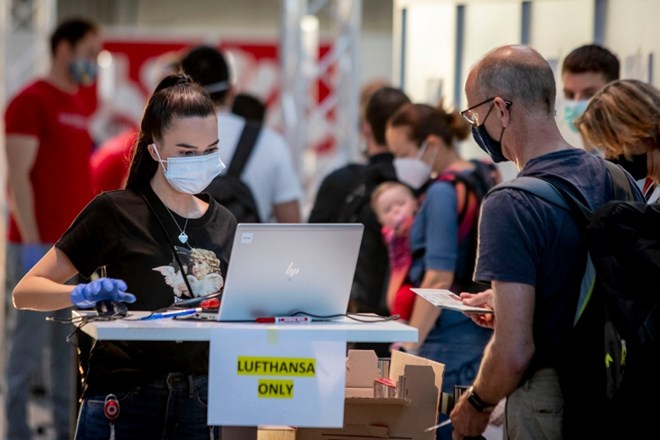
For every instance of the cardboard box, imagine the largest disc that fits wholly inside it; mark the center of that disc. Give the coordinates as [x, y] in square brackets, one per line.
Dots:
[404, 417]
[276, 433]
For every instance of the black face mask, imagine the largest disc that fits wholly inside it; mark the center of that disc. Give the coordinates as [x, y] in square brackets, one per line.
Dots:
[636, 166]
[486, 142]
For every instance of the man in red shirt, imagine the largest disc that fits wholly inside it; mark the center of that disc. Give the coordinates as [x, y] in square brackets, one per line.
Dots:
[49, 181]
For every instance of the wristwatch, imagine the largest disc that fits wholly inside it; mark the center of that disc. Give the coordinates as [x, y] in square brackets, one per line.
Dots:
[477, 403]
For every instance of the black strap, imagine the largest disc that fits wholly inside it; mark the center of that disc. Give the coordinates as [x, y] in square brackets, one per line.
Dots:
[246, 144]
[623, 190]
[557, 194]
[172, 248]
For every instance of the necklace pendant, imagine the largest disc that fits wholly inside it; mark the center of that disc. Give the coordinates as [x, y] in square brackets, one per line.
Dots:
[183, 238]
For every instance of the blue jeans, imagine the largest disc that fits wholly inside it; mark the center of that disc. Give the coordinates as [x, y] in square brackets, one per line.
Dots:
[171, 408]
[459, 344]
[30, 337]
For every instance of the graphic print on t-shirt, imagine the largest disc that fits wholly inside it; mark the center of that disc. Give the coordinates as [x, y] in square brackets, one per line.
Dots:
[201, 268]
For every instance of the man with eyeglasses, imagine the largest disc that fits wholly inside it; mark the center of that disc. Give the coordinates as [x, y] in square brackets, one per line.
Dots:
[530, 251]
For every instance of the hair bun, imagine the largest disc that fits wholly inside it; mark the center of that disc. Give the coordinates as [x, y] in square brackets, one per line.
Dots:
[173, 80]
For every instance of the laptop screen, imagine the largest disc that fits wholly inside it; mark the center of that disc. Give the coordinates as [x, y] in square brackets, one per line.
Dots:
[280, 269]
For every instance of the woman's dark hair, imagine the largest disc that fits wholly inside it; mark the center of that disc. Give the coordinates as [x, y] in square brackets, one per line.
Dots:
[382, 104]
[176, 96]
[424, 120]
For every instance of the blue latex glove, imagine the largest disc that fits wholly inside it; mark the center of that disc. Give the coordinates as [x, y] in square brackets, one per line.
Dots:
[86, 295]
[31, 253]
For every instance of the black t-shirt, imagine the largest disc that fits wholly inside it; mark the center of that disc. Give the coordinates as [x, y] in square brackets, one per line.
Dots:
[333, 191]
[119, 231]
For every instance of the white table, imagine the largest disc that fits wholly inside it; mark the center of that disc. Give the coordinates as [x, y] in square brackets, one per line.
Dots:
[168, 329]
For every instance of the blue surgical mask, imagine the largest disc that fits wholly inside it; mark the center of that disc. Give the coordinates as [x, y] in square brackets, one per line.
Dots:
[83, 71]
[191, 175]
[573, 109]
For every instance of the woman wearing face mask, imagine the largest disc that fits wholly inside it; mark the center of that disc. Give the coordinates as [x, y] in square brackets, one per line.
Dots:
[132, 233]
[443, 234]
[623, 120]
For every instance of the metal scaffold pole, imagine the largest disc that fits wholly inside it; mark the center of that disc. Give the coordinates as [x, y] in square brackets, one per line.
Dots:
[303, 68]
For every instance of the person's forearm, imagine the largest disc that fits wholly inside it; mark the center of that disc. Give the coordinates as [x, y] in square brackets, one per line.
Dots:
[500, 372]
[423, 319]
[21, 151]
[424, 313]
[42, 294]
[22, 206]
[43, 287]
[287, 212]
[511, 348]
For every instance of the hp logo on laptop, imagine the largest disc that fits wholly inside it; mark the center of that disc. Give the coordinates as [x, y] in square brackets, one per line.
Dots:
[291, 271]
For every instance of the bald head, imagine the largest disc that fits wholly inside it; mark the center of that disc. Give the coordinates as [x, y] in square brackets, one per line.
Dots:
[519, 86]
[517, 73]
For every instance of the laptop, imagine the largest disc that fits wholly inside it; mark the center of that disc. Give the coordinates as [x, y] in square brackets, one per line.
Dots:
[278, 269]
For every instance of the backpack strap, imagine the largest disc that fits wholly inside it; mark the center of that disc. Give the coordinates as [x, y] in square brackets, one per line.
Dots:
[470, 191]
[558, 197]
[623, 189]
[540, 188]
[462, 193]
[246, 144]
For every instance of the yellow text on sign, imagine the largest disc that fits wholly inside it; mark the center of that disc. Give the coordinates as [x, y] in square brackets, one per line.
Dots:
[275, 389]
[276, 366]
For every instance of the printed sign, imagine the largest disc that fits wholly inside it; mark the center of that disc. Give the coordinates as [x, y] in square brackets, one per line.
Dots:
[276, 375]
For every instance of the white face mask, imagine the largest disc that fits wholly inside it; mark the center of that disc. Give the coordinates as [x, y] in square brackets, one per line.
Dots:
[191, 175]
[413, 171]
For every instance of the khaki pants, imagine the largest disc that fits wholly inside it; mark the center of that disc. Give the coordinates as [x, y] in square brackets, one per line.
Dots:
[535, 409]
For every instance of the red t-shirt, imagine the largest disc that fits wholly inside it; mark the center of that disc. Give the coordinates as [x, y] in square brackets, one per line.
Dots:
[61, 177]
[111, 162]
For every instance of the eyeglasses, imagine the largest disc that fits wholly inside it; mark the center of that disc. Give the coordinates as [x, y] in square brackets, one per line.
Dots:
[473, 118]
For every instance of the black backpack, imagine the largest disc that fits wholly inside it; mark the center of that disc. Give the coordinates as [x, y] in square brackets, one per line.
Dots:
[610, 366]
[228, 188]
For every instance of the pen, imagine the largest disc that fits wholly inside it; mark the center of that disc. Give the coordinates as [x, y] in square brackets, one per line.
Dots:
[434, 427]
[284, 320]
[171, 314]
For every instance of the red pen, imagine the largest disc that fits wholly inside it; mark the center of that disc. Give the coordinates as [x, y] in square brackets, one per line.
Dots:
[284, 320]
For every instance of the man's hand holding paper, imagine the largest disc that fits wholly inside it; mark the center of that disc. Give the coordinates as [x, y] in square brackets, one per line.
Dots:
[484, 300]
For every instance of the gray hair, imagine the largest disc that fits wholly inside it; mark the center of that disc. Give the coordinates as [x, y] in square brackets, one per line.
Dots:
[519, 74]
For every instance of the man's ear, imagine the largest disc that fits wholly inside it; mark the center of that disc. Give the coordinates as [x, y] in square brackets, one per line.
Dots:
[504, 110]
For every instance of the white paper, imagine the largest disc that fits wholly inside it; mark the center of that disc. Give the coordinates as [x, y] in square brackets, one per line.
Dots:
[447, 299]
[304, 400]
